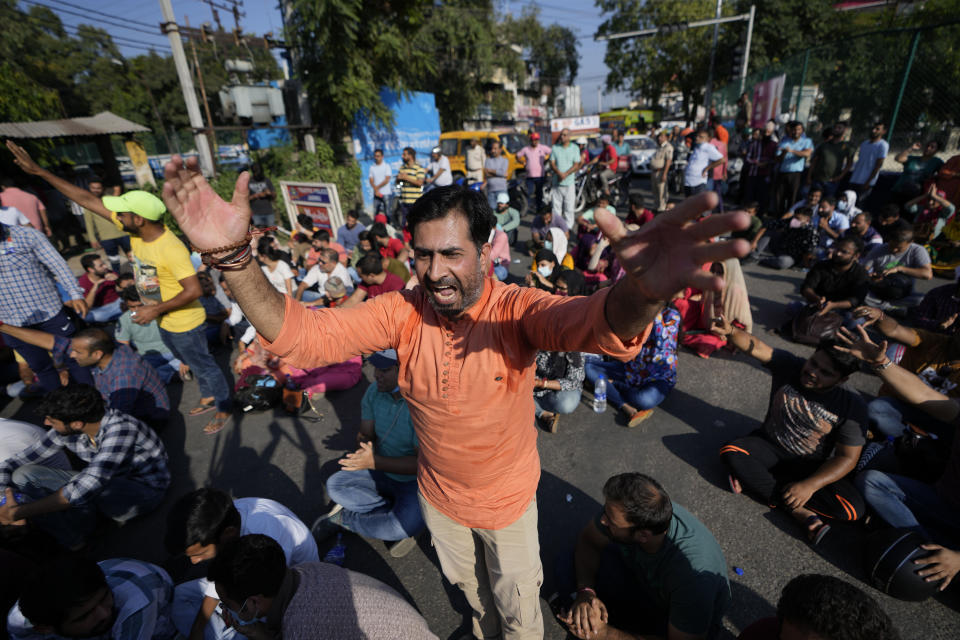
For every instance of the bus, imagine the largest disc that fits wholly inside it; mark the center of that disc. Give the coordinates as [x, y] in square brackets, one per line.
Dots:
[629, 120]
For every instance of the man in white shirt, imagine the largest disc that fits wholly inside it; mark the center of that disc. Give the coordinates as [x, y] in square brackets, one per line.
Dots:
[327, 266]
[703, 158]
[475, 157]
[870, 159]
[203, 520]
[438, 171]
[13, 217]
[380, 180]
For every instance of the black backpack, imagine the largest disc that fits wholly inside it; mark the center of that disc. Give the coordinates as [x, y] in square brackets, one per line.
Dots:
[258, 394]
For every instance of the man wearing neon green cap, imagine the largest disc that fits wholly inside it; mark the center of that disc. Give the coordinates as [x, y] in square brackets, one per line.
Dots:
[165, 278]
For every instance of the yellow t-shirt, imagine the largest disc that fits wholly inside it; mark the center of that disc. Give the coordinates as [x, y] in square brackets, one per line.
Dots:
[159, 266]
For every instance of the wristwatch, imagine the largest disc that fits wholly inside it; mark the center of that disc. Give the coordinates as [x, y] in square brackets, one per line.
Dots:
[881, 367]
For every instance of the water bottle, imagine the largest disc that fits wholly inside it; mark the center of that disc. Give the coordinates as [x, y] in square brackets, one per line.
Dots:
[338, 553]
[600, 395]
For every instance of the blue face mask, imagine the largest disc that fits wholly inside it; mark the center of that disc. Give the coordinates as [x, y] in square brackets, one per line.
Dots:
[545, 271]
[548, 244]
[240, 622]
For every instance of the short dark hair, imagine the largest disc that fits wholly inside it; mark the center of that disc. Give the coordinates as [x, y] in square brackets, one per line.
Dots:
[247, 566]
[378, 150]
[7, 181]
[844, 363]
[88, 260]
[645, 503]
[752, 205]
[66, 581]
[637, 200]
[199, 517]
[371, 264]
[265, 248]
[853, 239]
[816, 188]
[329, 253]
[903, 233]
[75, 402]
[378, 230]
[364, 235]
[411, 151]
[322, 235]
[829, 200]
[305, 221]
[98, 339]
[803, 211]
[889, 210]
[866, 216]
[831, 608]
[94, 180]
[129, 294]
[440, 202]
[353, 213]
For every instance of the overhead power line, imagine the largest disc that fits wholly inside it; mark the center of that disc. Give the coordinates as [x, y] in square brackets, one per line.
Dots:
[118, 25]
[105, 15]
[75, 31]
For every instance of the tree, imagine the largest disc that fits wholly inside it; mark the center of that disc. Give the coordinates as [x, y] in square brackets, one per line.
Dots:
[550, 52]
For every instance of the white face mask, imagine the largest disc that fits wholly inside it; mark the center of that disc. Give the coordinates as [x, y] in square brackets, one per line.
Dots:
[843, 205]
[545, 271]
[795, 224]
[548, 244]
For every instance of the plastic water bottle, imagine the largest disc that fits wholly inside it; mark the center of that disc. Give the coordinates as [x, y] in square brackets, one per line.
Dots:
[338, 553]
[600, 396]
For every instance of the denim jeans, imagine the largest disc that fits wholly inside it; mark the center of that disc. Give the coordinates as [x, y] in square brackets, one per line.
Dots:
[264, 219]
[890, 415]
[619, 392]
[557, 402]
[908, 503]
[113, 246]
[191, 347]
[39, 359]
[120, 499]
[106, 313]
[310, 296]
[692, 191]
[535, 194]
[375, 505]
[166, 364]
[187, 599]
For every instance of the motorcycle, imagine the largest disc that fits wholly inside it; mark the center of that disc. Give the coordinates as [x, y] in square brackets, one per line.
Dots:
[677, 168]
[590, 185]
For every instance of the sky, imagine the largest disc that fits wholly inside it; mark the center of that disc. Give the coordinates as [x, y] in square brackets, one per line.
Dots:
[134, 25]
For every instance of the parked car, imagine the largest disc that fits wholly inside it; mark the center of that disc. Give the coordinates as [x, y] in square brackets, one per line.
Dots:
[642, 149]
[454, 144]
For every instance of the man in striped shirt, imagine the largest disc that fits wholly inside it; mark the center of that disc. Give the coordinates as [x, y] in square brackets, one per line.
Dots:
[126, 473]
[74, 597]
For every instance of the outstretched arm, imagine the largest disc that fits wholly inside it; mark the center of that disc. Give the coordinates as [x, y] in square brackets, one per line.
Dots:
[37, 338]
[78, 194]
[739, 338]
[210, 222]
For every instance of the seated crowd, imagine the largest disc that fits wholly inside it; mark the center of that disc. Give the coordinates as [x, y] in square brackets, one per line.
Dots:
[102, 350]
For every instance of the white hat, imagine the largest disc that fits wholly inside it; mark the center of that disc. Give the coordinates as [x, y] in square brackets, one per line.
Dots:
[503, 198]
[581, 140]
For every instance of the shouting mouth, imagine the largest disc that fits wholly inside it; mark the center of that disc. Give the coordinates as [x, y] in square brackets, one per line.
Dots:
[444, 294]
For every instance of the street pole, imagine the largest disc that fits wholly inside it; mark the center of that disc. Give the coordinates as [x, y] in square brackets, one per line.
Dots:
[186, 85]
[599, 103]
[746, 49]
[212, 135]
[708, 92]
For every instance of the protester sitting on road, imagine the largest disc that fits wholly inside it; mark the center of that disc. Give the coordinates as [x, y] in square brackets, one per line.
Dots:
[374, 280]
[375, 492]
[545, 271]
[99, 284]
[638, 213]
[698, 309]
[890, 221]
[861, 227]
[335, 292]
[637, 386]
[71, 596]
[348, 234]
[216, 313]
[200, 523]
[930, 212]
[810, 440]
[508, 218]
[793, 245]
[125, 474]
[540, 231]
[557, 385]
[272, 264]
[830, 225]
[932, 510]
[838, 284]
[643, 565]
[500, 257]
[145, 338]
[127, 383]
[811, 201]
[321, 240]
[893, 267]
[847, 204]
[263, 596]
[939, 310]
[818, 607]
[388, 246]
[754, 233]
[326, 265]
[935, 357]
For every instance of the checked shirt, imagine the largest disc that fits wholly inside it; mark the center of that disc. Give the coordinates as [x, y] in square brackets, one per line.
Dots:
[27, 261]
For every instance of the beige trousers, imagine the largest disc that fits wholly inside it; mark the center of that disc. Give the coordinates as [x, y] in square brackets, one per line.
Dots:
[499, 572]
[659, 188]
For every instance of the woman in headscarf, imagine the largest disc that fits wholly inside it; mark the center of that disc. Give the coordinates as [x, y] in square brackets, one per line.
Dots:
[570, 282]
[558, 245]
[545, 271]
[698, 309]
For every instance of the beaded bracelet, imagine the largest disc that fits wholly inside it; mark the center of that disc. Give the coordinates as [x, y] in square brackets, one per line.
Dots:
[241, 252]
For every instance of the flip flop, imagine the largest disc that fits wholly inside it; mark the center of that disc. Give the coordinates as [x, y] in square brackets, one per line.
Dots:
[734, 484]
[639, 417]
[216, 425]
[202, 409]
[816, 535]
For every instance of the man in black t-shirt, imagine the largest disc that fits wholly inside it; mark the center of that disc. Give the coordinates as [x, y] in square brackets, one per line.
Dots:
[838, 284]
[261, 198]
[810, 440]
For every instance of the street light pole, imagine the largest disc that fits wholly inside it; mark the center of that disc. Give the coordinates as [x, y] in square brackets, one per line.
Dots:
[746, 49]
[708, 92]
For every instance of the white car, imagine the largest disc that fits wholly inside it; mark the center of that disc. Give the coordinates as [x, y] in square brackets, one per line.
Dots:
[642, 149]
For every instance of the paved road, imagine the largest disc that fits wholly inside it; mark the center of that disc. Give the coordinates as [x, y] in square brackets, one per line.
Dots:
[275, 456]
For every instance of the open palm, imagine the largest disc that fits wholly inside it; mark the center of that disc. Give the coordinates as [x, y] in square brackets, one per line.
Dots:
[667, 255]
[206, 219]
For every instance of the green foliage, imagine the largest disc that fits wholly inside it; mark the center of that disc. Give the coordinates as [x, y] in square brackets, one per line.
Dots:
[289, 163]
[550, 51]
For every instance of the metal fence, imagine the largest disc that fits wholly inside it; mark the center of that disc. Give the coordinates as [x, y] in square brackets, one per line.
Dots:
[908, 78]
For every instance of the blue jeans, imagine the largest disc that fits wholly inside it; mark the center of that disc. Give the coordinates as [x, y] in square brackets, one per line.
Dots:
[310, 296]
[191, 347]
[187, 599]
[557, 402]
[535, 194]
[620, 392]
[692, 191]
[375, 505]
[909, 504]
[39, 359]
[492, 198]
[106, 313]
[889, 416]
[166, 364]
[500, 271]
[120, 499]
[113, 246]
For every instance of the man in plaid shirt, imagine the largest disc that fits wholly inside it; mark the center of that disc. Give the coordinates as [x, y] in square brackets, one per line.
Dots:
[30, 269]
[126, 381]
[126, 473]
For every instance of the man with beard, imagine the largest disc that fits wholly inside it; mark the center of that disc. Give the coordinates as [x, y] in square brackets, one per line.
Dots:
[810, 439]
[75, 597]
[165, 278]
[837, 284]
[644, 565]
[466, 347]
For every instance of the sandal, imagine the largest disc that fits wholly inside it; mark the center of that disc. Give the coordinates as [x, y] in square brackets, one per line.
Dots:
[816, 534]
[202, 408]
[639, 417]
[734, 483]
[216, 425]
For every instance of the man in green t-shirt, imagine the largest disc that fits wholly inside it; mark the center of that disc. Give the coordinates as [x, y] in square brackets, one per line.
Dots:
[645, 565]
[376, 491]
[565, 160]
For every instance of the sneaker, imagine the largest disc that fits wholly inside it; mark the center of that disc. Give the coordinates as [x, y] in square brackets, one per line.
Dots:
[401, 548]
[639, 417]
[329, 524]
